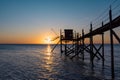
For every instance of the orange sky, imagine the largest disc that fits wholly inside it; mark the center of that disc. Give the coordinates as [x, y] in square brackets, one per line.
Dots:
[41, 38]
[26, 39]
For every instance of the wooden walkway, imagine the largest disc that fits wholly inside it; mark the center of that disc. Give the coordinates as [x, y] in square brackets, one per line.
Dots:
[78, 46]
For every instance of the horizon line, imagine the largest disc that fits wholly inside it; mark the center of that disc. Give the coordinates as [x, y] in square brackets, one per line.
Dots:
[40, 43]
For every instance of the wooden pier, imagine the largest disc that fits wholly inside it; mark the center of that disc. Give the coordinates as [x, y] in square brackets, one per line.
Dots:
[73, 44]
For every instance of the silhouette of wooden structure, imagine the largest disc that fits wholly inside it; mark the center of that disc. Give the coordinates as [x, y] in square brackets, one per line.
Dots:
[77, 42]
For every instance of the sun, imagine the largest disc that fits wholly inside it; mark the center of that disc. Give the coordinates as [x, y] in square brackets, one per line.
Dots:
[48, 40]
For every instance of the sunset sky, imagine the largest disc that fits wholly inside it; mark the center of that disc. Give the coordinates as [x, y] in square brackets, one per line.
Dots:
[31, 21]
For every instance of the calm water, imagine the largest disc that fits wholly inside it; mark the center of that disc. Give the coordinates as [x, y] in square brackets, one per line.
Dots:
[35, 62]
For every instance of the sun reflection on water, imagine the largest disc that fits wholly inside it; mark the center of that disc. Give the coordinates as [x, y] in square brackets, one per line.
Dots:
[48, 50]
[49, 55]
[49, 59]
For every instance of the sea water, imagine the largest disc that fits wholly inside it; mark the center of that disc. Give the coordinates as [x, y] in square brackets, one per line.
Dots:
[35, 62]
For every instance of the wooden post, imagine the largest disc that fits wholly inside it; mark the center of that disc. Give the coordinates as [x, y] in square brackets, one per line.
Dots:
[77, 43]
[103, 47]
[61, 41]
[75, 50]
[91, 45]
[112, 48]
[83, 44]
[65, 47]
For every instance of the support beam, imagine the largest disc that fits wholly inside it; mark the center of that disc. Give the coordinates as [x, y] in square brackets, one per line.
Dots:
[61, 41]
[112, 48]
[77, 44]
[91, 45]
[55, 46]
[116, 36]
[103, 47]
[83, 44]
[65, 45]
[97, 52]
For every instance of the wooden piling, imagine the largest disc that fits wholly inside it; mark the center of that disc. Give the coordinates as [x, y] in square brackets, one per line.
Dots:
[91, 45]
[61, 41]
[103, 47]
[83, 44]
[111, 41]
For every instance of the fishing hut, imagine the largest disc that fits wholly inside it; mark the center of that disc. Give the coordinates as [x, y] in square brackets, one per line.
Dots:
[69, 42]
